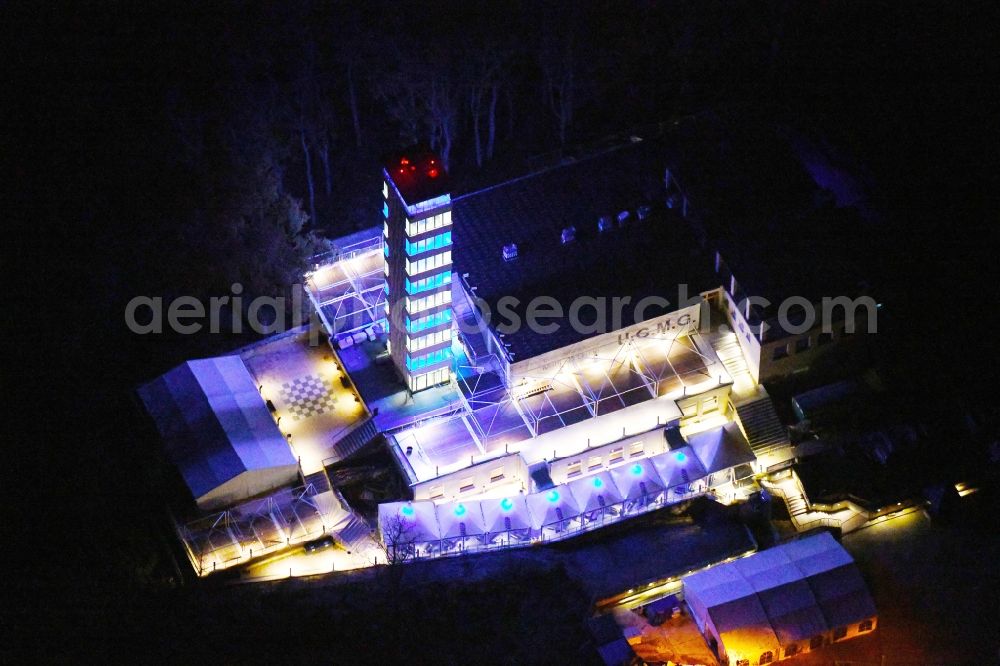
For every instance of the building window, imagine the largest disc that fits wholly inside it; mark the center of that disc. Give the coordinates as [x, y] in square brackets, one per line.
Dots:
[385, 209]
[815, 642]
[385, 190]
[436, 492]
[430, 321]
[802, 344]
[496, 475]
[427, 359]
[467, 484]
[767, 657]
[593, 462]
[781, 351]
[791, 650]
[427, 302]
[428, 263]
[427, 283]
[865, 626]
[839, 633]
[824, 339]
[617, 455]
[427, 244]
[420, 382]
[416, 344]
[428, 223]
[574, 469]
[635, 449]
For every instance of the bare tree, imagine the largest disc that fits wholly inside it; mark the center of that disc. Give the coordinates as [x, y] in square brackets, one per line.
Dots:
[561, 83]
[441, 100]
[400, 91]
[488, 76]
[352, 96]
[396, 540]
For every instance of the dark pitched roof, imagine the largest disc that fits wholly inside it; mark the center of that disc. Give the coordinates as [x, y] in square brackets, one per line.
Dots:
[636, 259]
[762, 210]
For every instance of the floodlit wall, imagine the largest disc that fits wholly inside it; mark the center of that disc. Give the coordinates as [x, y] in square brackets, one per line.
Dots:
[504, 472]
[748, 342]
[248, 484]
[683, 321]
[458, 526]
[590, 461]
[799, 352]
[705, 404]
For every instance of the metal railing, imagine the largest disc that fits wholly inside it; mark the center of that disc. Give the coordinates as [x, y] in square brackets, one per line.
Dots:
[558, 530]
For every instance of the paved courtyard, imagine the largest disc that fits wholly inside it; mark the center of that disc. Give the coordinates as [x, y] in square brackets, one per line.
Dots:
[304, 383]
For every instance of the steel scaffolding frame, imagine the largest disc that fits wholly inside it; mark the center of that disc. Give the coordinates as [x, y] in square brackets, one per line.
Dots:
[260, 526]
[580, 387]
[354, 299]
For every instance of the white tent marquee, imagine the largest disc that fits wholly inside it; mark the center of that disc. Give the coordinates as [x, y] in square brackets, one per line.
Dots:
[217, 430]
[461, 525]
[681, 472]
[506, 520]
[597, 496]
[721, 449]
[410, 525]
[678, 467]
[638, 483]
[781, 602]
[553, 510]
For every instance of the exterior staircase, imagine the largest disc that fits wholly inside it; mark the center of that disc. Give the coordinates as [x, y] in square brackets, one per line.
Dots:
[845, 516]
[354, 441]
[356, 535]
[727, 348]
[761, 425]
[319, 480]
[797, 504]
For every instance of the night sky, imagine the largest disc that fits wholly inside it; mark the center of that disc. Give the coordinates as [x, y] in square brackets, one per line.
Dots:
[170, 148]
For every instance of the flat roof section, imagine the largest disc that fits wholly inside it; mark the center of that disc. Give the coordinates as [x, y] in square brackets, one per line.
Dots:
[417, 174]
[378, 383]
[347, 284]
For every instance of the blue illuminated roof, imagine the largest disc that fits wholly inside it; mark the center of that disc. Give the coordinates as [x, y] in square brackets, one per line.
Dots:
[214, 423]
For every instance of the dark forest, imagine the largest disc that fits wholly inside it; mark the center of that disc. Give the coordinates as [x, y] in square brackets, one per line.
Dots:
[170, 148]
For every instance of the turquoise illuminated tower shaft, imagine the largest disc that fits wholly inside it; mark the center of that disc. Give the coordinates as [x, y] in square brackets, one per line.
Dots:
[418, 267]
